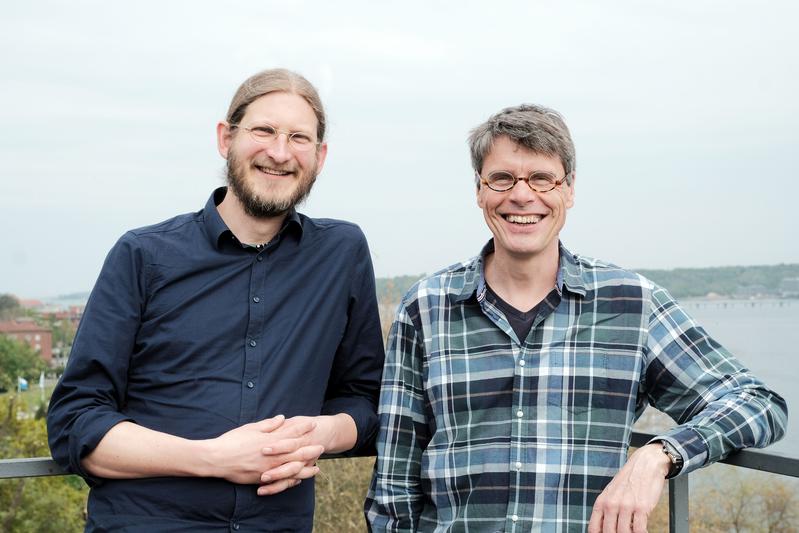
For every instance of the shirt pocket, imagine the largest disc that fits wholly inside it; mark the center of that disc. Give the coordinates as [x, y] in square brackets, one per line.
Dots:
[595, 391]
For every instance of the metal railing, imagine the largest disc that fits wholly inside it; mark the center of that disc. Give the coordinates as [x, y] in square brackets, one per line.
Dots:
[750, 458]
[678, 487]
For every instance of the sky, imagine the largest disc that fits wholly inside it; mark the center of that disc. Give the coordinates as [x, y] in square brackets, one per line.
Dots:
[683, 114]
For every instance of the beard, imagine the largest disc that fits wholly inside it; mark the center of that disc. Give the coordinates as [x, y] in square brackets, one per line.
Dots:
[256, 205]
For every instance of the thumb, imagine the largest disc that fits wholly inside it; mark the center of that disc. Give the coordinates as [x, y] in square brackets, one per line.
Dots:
[270, 424]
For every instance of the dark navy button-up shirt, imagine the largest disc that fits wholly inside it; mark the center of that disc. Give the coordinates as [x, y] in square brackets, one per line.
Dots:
[190, 333]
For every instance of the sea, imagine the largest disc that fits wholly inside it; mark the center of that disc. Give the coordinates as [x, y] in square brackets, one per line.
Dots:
[764, 336]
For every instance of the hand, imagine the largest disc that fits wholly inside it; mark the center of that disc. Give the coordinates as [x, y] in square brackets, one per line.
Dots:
[335, 433]
[625, 504]
[243, 454]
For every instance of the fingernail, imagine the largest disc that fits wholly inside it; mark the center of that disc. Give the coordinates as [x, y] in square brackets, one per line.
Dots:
[266, 450]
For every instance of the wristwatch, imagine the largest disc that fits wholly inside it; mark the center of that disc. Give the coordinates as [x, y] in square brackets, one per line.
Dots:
[675, 458]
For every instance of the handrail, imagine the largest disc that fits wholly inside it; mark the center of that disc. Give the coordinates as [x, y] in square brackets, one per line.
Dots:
[753, 459]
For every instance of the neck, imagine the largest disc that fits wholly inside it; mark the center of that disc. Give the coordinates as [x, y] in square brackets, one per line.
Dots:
[523, 280]
[248, 229]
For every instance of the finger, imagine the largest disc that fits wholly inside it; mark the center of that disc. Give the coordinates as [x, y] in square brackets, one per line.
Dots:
[625, 521]
[639, 522]
[284, 446]
[595, 524]
[609, 519]
[270, 424]
[284, 471]
[279, 486]
[300, 429]
[307, 472]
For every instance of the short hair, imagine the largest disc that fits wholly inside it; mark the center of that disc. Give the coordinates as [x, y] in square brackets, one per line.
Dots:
[535, 127]
[277, 80]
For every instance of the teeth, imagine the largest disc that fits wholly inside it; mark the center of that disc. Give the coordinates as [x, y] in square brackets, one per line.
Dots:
[518, 219]
[266, 170]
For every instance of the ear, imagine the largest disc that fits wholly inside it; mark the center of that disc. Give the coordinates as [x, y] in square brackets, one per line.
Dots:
[321, 155]
[224, 138]
[479, 194]
[568, 191]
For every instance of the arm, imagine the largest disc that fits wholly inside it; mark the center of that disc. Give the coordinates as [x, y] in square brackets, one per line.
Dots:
[87, 400]
[354, 382]
[241, 455]
[719, 405]
[348, 422]
[395, 497]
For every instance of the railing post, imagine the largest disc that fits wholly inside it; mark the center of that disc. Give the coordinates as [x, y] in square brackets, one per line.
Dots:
[678, 505]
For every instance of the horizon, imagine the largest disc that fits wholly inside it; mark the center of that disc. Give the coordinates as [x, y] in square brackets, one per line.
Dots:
[79, 294]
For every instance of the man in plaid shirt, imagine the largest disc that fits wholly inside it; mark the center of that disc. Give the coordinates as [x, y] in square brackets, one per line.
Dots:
[512, 380]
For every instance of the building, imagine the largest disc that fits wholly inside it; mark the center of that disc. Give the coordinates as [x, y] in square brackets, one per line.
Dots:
[37, 337]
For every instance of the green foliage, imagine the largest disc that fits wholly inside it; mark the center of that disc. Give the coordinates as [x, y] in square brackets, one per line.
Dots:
[681, 282]
[9, 306]
[17, 359]
[35, 504]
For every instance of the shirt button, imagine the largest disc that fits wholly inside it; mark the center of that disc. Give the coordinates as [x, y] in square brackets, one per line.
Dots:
[256, 299]
[514, 518]
[259, 258]
[521, 363]
[236, 526]
[254, 344]
[518, 465]
[250, 385]
[518, 413]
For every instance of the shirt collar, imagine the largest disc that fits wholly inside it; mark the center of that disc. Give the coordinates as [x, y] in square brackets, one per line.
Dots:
[570, 274]
[216, 229]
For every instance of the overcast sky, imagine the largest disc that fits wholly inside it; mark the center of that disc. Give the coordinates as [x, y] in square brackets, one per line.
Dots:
[684, 116]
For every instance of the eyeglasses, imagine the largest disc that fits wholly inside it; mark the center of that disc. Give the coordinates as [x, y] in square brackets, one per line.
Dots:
[266, 134]
[538, 181]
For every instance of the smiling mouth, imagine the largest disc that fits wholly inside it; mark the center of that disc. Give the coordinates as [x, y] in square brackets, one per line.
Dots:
[523, 219]
[273, 172]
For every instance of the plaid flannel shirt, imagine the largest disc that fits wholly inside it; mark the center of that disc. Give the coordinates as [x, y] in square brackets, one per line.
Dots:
[482, 432]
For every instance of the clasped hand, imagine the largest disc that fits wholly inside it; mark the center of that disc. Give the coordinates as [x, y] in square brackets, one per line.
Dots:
[275, 453]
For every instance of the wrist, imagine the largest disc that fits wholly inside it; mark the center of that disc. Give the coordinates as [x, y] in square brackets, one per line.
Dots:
[675, 459]
[341, 433]
[658, 458]
[205, 462]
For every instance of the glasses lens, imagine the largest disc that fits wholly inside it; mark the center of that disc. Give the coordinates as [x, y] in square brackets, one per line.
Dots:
[263, 134]
[301, 141]
[542, 181]
[500, 181]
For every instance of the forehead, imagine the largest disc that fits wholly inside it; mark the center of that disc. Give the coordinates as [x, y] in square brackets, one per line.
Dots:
[286, 110]
[506, 154]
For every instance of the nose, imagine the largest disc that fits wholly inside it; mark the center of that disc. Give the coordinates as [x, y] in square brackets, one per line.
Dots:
[279, 150]
[521, 193]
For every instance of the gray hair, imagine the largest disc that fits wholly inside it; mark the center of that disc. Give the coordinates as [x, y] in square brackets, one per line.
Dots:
[277, 80]
[535, 127]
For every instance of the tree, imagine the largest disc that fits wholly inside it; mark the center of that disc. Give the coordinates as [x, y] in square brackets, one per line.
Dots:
[35, 504]
[17, 359]
[9, 306]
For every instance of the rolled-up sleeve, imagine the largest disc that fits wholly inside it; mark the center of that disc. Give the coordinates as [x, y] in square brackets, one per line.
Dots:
[719, 405]
[87, 400]
[354, 383]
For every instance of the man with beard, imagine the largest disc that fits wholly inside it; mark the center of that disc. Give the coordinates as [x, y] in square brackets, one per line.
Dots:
[221, 352]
